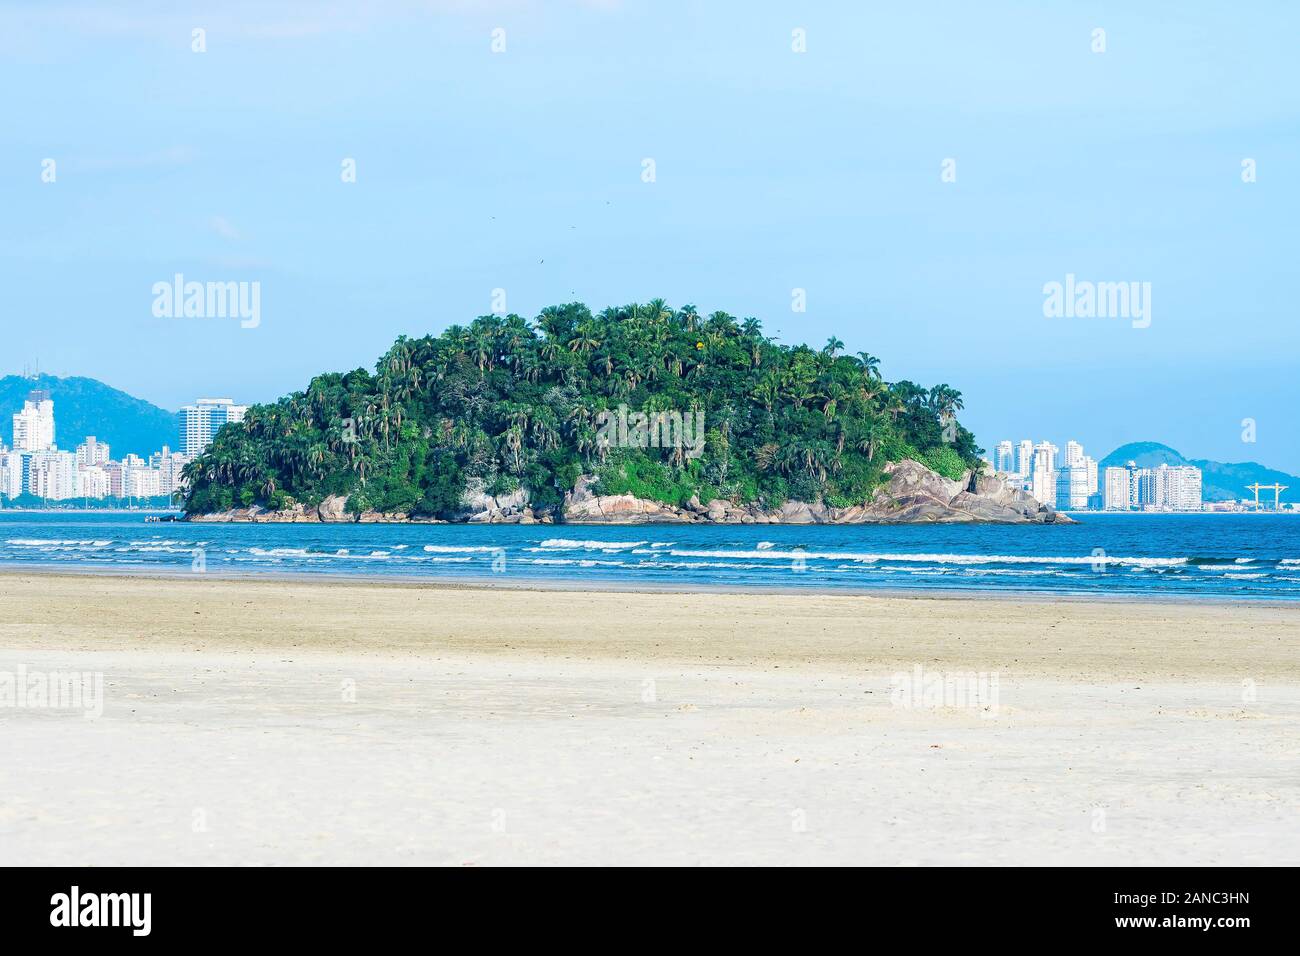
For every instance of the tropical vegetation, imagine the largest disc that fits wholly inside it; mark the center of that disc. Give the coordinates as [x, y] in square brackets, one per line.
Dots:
[505, 403]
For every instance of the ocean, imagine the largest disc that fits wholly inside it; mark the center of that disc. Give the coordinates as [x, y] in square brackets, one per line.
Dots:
[1249, 557]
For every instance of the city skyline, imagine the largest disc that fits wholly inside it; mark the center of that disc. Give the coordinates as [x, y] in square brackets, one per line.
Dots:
[1076, 482]
[39, 467]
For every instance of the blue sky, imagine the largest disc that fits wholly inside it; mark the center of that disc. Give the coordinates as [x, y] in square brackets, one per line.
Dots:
[775, 170]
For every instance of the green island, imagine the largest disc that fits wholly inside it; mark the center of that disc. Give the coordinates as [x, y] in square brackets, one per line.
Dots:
[506, 406]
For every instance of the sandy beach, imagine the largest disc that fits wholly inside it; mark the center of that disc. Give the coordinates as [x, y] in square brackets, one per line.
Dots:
[266, 721]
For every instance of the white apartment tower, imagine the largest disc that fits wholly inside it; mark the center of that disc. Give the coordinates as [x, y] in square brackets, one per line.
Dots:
[1178, 487]
[91, 453]
[34, 425]
[200, 422]
[1045, 456]
[11, 474]
[1116, 494]
[52, 474]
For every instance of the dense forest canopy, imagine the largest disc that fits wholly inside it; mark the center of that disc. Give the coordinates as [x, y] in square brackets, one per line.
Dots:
[505, 403]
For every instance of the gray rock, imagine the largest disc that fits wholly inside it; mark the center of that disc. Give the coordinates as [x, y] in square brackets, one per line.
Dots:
[333, 509]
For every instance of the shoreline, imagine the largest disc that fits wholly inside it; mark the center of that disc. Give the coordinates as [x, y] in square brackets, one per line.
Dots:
[552, 585]
[1086, 640]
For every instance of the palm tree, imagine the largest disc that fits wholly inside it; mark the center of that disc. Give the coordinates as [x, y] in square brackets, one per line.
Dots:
[869, 364]
[584, 339]
[945, 402]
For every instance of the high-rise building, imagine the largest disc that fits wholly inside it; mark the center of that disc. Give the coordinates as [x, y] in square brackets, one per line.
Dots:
[1178, 487]
[1045, 456]
[1144, 488]
[11, 474]
[1116, 495]
[1025, 458]
[1004, 459]
[116, 479]
[169, 465]
[52, 474]
[200, 422]
[34, 425]
[91, 453]
[1073, 454]
[92, 482]
[1072, 489]
[142, 483]
[1042, 485]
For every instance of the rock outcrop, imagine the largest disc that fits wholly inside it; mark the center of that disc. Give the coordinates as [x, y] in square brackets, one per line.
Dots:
[914, 494]
[482, 508]
[582, 505]
[332, 510]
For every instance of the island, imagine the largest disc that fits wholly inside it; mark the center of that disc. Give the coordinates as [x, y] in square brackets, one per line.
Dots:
[640, 413]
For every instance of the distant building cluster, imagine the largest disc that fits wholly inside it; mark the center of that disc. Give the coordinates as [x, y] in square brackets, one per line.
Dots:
[1163, 488]
[1074, 483]
[37, 466]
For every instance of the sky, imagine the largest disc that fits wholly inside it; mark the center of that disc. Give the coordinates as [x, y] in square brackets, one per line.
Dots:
[921, 170]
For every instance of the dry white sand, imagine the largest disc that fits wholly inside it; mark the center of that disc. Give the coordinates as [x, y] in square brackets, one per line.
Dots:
[276, 722]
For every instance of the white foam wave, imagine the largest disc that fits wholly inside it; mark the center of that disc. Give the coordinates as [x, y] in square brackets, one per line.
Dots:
[580, 562]
[57, 543]
[730, 565]
[456, 549]
[571, 544]
[933, 558]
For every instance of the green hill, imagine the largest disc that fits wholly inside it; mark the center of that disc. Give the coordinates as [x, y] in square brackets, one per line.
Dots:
[1145, 454]
[1220, 481]
[83, 406]
[507, 404]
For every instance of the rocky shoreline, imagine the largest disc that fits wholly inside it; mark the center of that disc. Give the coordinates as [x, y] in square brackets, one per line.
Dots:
[913, 495]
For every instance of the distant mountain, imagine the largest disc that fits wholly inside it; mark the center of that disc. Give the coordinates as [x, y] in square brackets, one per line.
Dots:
[83, 406]
[1220, 481]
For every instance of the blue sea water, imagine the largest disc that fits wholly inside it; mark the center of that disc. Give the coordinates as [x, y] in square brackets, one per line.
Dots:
[1212, 555]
